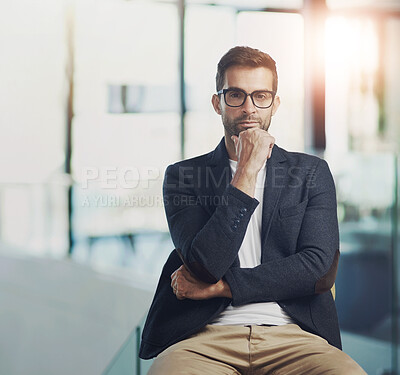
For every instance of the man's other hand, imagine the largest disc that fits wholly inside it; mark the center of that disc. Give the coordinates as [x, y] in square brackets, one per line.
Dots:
[185, 285]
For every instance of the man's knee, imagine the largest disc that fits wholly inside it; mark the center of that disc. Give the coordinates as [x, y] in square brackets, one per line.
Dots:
[351, 367]
[339, 364]
[331, 362]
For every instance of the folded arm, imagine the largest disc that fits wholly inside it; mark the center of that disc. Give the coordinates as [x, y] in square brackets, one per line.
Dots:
[209, 243]
[312, 269]
[185, 285]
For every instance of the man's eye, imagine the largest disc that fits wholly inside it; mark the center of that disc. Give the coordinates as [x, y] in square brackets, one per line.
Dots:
[261, 96]
[234, 95]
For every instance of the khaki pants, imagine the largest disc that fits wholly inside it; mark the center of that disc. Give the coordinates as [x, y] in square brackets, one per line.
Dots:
[245, 350]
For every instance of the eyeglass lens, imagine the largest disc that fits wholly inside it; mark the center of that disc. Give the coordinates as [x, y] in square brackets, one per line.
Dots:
[236, 98]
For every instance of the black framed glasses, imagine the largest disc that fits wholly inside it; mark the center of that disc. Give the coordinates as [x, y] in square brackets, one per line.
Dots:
[235, 97]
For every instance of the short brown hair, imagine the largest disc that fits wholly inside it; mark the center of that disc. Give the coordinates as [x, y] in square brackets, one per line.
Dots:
[248, 57]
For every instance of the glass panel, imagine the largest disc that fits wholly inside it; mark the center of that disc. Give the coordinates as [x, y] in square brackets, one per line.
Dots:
[121, 144]
[32, 120]
[126, 360]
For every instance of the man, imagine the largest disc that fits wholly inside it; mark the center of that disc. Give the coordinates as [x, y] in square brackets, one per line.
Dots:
[248, 289]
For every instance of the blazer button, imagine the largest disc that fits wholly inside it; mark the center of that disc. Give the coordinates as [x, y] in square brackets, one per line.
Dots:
[241, 214]
[243, 210]
[234, 227]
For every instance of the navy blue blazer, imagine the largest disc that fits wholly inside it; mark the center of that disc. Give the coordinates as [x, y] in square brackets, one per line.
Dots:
[208, 217]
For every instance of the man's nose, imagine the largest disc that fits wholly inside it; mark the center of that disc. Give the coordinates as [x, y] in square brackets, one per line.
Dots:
[248, 106]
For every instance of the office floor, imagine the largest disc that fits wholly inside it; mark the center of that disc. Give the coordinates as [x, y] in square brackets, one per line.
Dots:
[60, 317]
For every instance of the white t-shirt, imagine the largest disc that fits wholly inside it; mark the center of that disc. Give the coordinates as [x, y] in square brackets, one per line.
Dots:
[269, 313]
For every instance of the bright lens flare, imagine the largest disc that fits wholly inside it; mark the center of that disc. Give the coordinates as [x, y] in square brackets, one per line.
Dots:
[352, 45]
[352, 62]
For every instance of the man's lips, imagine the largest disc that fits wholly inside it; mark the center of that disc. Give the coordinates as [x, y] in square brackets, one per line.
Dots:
[248, 124]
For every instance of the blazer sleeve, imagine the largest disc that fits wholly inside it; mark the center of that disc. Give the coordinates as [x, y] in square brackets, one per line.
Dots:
[312, 269]
[208, 244]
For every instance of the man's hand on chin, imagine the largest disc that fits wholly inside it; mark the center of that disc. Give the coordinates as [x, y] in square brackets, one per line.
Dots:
[253, 148]
[185, 285]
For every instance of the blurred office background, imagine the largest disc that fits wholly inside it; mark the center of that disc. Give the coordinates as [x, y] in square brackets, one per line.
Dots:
[98, 97]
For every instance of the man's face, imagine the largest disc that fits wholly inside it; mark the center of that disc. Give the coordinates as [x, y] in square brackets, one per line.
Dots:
[238, 119]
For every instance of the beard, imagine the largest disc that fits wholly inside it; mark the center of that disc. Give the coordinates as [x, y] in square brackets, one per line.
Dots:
[232, 126]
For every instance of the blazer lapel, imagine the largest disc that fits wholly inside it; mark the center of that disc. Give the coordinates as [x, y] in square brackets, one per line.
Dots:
[274, 181]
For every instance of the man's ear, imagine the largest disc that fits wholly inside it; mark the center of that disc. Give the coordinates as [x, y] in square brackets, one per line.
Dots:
[216, 103]
[275, 106]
